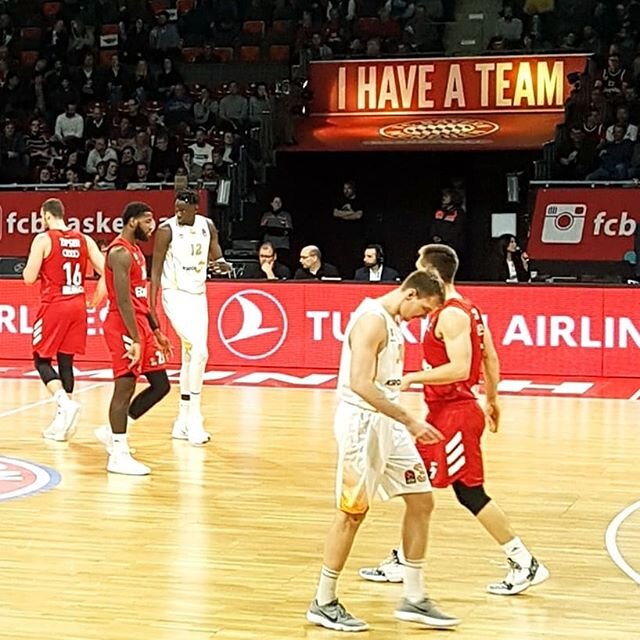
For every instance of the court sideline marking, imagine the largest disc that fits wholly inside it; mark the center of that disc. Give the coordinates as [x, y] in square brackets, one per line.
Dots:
[31, 405]
[611, 540]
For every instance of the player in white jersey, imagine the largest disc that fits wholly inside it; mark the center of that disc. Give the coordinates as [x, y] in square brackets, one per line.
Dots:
[376, 450]
[185, 246]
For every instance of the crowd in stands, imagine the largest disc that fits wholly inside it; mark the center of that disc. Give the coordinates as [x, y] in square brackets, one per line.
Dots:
[599, 137]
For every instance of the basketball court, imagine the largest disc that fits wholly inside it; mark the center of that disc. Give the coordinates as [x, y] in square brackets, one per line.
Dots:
[225, 541]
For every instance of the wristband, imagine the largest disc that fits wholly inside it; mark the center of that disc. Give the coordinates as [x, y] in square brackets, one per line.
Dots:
[152, 322]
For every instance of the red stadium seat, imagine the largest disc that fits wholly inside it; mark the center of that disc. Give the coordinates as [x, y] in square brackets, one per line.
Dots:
[184, 6]
[32, 34]
[191, 54]
[283, 27]
[109, 29]
[368, 27]
[224, 54]
[249, 54]
[51, 9]
[159, 5]
[28, 58]
[104, 59]
[279, 53]
[254, 27]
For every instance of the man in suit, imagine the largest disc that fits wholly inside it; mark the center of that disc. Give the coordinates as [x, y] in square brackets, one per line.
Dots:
[312, 267]
[268, 268]
[374, 269]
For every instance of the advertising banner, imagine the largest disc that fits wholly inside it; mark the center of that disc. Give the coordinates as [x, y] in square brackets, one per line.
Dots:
[502, 102]
[538, 330]
[96, 213]
[583, 224]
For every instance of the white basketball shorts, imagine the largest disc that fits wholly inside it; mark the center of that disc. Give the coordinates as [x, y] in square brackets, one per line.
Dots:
[375, 453]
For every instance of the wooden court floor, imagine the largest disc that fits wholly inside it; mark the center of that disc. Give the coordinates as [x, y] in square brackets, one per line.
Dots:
[225, 541]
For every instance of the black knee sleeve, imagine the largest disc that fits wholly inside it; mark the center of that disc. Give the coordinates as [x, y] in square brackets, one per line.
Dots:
[472, 498]
[65, 367]
[158, 388]
[44, 368]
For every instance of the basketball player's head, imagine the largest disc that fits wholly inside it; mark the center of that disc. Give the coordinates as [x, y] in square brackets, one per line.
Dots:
[138, 221]
[440, 258]
[423, 292]
[50, 211]
[187, 202]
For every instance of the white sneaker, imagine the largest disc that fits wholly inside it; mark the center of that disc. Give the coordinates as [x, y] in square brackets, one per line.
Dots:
[389, 570]
[180, 429]
[56, 426]
[122, 462]
[103, 434]
[63, 426]
[519, 578]
[196, 433]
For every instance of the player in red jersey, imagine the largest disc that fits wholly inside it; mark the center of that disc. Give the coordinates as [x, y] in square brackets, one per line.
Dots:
[134, 340]
[457, 347]
[58, 258]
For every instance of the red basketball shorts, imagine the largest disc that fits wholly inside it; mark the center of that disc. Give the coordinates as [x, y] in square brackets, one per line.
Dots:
[459, 456]
[118, 342]
[60, 327]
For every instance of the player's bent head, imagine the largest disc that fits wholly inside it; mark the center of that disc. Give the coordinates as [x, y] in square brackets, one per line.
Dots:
[441, 258]
[53, 207]
[425, 284]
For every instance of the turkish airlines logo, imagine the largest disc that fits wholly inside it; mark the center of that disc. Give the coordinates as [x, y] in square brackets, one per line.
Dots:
[252, 324]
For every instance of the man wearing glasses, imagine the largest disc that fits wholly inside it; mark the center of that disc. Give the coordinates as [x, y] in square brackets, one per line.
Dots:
[312, 267]
[268, 267]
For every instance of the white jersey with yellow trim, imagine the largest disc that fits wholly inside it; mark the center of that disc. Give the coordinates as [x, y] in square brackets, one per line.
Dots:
[185, 263]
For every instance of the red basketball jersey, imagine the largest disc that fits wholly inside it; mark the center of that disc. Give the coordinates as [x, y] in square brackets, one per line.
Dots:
[137, 278]
[435, 354]
[63, 270]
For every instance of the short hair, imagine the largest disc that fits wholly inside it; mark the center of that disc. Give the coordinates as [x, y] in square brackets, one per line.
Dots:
[54, 207]
[426, 283]
[188, 196]
[135, 210]
[267, 245]
[441, 258]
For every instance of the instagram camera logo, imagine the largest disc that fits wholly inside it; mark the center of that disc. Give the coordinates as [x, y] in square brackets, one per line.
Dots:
[564, 223]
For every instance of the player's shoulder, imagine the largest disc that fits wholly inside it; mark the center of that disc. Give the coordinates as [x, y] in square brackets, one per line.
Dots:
[454, 313]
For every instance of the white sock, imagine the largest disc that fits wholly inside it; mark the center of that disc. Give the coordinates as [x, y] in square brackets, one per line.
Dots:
[62, 398]
[194, 409]
[196, 371]
[516, 551]
[326, 592]
[120, 443]
[185, 405]
[413, 580]
[184, 371]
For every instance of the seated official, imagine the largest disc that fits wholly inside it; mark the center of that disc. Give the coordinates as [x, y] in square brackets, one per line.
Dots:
[312, 267]
[268, 267]
[374, 269]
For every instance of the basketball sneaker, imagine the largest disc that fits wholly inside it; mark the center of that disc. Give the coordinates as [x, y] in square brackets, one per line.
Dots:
[519, 578]
[426, 613]
[180, 430]
[63, 426]
[195, 431]
[122, 462]
[389, 570]
[103, 434]
[334, 616]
